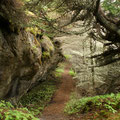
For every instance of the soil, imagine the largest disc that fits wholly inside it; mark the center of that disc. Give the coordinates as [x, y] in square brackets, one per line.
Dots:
[55, 110]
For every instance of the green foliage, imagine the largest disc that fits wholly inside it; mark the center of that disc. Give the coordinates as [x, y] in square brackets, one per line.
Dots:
[38, 14]
[37, 98]
[8, 112]
[112, 7]
[72, 72]
[46, 54]
[33, 30]
[40, 19]
[109, 103]
[4, 104]
[67, 56]
[59, 71]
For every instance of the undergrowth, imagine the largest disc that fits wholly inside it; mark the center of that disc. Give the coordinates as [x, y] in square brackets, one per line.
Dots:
[103, 105]
[59, 70]
[41, 95]
[72, 72]
[8, 112]
[37, 98]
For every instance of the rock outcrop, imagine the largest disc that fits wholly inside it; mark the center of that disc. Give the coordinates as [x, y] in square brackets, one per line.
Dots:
[90, 80]
[21, 63]
[25, 58]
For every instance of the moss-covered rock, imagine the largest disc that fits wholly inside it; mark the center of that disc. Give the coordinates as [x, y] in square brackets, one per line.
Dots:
[20, 54]
[33, 30]
[45, 56]
[47, 44]
[20, 63]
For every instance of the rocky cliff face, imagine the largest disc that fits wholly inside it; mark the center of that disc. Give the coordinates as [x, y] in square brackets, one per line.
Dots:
[24, 60]
[90, 80]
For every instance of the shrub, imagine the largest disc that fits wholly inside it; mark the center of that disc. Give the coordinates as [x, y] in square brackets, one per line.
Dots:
[109, 103]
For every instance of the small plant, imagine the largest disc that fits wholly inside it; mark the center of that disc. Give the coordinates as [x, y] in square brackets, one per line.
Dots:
[33, 30]
[8, 112]
[59, 71]
[110, 103]
[4, 104]
[110, 108]
[67, 56]
[72, 73]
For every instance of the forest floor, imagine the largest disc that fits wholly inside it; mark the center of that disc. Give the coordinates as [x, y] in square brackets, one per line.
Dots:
[55, 109]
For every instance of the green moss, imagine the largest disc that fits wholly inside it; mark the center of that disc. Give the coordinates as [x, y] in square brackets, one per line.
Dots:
[45, 56]
[58, 71]
[8, 112]
[38, 97]
[33, 30]
[51, 48]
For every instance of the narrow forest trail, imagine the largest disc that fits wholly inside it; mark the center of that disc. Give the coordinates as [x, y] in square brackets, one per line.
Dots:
[55, 110]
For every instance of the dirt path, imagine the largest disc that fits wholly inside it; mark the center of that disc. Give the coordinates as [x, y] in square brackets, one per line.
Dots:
[55, 111]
